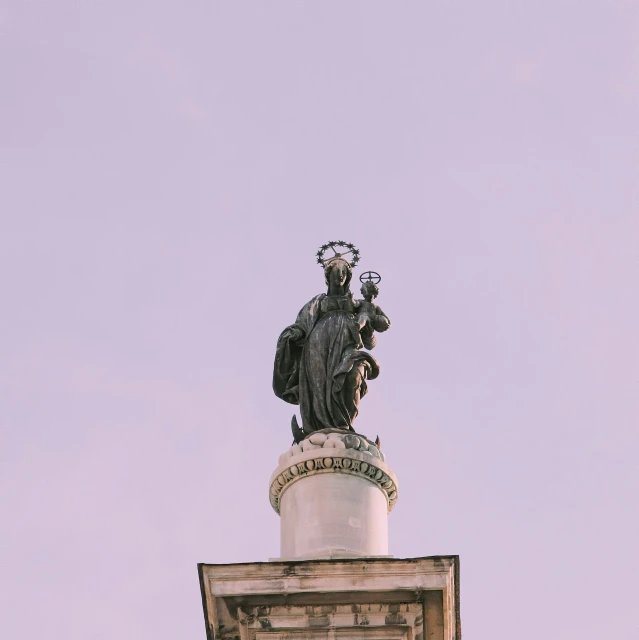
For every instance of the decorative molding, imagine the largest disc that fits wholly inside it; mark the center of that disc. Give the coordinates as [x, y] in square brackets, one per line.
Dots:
[389, 595]
[346, 461]
[233, 579]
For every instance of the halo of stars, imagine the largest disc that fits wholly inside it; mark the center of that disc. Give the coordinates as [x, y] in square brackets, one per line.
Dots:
[350, 248]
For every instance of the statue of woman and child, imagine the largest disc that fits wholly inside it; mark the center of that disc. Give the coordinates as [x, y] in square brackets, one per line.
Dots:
[319, 362]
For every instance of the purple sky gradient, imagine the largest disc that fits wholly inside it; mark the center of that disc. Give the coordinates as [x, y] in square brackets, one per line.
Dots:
[168, 170]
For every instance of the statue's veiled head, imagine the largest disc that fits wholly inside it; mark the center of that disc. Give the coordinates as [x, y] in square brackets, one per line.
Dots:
[338, 272]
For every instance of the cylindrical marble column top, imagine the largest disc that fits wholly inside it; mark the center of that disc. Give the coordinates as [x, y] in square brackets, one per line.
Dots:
[333, 492]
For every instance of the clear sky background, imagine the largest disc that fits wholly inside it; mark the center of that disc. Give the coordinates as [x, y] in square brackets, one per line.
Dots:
[168, 170]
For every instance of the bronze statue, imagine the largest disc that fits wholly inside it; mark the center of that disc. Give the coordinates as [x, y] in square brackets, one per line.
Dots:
[319, 362]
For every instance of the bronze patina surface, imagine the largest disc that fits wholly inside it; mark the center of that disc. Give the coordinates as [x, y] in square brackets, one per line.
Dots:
[320, 361]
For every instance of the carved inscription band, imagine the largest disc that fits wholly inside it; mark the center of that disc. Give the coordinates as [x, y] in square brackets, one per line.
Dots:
[338, 462]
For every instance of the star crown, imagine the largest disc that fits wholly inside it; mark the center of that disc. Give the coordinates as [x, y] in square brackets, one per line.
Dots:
[337, 246]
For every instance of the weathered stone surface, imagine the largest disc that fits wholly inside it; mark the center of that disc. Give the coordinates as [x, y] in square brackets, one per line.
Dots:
[374, 451]
[318, 438]
[333, 439]
[326, 514]
[345, 461]
[351, 441]
[339, 496]
[333, 500]
[358, 599]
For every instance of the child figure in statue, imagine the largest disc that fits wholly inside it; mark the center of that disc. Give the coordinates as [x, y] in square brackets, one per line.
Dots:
[319, 361]
[370, 317]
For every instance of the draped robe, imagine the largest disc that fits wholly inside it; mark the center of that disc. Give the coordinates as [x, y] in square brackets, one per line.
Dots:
[313, 358]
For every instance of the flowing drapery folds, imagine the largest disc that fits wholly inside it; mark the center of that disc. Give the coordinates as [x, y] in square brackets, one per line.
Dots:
[319, 364]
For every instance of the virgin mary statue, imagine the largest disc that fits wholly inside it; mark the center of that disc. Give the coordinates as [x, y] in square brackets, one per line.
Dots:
[319, 362]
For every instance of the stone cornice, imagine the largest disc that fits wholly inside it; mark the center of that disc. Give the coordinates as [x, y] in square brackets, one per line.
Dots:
[322, 460]
[396, 573]
[247, 600]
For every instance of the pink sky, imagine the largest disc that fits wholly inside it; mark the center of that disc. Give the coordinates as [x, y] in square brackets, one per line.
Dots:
[167, 172]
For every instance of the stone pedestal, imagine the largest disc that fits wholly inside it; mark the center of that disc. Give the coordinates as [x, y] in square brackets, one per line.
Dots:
[335, 580]
[333, 493]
